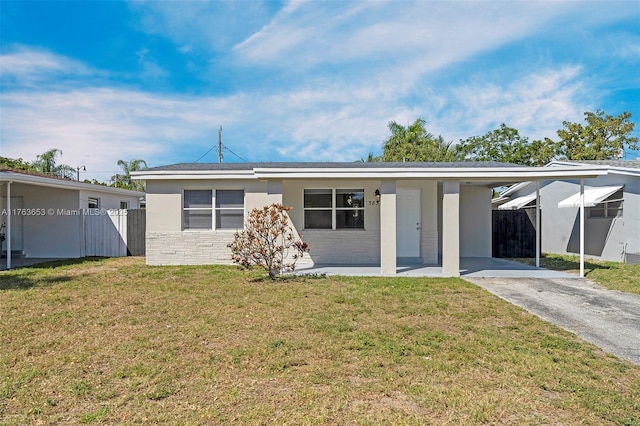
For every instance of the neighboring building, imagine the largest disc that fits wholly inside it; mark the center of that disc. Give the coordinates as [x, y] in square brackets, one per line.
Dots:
[612, 210]
[350, 213]
[49, 214]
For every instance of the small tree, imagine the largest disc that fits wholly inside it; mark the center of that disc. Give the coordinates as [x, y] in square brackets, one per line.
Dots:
[268, 241]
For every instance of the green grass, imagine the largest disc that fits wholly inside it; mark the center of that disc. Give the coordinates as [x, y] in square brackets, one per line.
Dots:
[115, 341]
[612, 275]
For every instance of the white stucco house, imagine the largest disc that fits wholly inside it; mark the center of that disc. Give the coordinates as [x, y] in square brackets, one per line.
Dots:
[612, 210]
[46, 217]
[357, 213]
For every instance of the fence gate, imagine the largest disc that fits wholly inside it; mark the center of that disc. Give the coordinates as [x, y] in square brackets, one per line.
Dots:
[136, 232]
[105, 233]
[514, 233]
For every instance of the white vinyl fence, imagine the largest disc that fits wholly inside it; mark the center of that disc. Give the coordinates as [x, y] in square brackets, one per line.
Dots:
[105, 233]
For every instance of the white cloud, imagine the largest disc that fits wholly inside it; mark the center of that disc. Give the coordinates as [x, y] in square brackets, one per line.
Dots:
[27, 65]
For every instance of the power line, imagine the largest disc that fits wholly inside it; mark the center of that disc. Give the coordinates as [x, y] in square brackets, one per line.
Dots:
[227, 148]
[202, 156]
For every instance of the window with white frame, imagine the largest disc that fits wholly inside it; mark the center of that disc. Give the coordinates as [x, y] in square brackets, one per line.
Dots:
[209, 209]
[197, 209]
[93, 203]
[229, 209]
[334, 208]
[611, 207]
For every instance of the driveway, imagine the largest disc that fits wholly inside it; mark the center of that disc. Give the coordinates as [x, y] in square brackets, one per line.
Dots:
[607, 318]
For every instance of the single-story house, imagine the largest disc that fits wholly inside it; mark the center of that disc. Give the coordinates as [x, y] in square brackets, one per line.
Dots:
[356, 213]
[48, 217]
[612, 210]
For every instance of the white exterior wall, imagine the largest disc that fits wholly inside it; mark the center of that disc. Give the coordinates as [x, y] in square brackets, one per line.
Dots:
[475, 221]
[108, 201]
[50, 235]
[343, 246]
[168, 244]
[605, 238]
[57, 230]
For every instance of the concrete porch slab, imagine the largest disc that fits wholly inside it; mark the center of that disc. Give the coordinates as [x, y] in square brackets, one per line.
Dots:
[469, 267]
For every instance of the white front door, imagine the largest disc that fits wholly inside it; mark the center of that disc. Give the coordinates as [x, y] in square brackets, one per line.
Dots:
[408, 222]
[16, 223]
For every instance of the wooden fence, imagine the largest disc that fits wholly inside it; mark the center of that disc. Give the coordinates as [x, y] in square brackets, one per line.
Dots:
[514, 233]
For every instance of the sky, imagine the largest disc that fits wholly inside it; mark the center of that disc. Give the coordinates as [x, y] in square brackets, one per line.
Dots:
[301, 81]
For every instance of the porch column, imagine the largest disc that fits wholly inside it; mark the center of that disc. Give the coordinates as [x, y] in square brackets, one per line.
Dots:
[388, 227]
[582, 228]
[274, 191]
[451, 228]
[8, 230]
[537, 224]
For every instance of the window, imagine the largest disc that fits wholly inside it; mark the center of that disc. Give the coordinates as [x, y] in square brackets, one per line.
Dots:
[334, 209]
[93, 203]
[317, 209]
[611, 207]
[124, 205]
[229, 209]
[198, 210]
[350, 208]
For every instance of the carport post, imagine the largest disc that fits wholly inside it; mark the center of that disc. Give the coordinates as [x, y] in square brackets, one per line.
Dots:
[582, 228]
[537, 224]
[8, 236]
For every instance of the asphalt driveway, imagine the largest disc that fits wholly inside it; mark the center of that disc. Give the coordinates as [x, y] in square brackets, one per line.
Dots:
[607, 318]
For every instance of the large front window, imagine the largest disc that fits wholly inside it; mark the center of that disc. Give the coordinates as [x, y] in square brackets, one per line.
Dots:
[334, 208]
[229, 209]
[199, 211]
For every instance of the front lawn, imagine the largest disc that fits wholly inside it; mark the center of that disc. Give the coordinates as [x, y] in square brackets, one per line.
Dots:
[115, 341]
[612, 275]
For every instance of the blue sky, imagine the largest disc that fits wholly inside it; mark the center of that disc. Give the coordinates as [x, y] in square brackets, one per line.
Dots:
[301, 81]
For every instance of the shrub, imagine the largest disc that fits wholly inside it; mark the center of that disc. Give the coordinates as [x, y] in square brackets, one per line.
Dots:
[268, 241]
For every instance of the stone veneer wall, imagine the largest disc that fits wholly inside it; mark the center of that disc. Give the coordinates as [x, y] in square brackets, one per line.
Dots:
[188, 248]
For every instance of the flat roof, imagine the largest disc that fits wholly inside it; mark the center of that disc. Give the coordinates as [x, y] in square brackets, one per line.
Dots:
[24, 177]
[491, 173]
[322, 165]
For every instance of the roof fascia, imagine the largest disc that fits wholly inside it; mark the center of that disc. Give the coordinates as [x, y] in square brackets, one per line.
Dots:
[616, 170]
[193, 174]
[72, 184]
[482, 174]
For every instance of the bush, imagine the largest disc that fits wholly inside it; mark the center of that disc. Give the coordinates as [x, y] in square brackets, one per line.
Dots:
[268, 241]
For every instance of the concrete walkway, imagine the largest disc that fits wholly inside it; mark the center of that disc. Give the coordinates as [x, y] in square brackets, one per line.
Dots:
[607, 318]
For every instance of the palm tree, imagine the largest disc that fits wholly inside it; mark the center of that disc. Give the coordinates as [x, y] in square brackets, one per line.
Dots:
[46, 163]
[415, 143]
[124, 180]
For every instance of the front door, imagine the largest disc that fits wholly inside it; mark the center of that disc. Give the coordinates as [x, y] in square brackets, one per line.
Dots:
[16, 223]
[408, 222]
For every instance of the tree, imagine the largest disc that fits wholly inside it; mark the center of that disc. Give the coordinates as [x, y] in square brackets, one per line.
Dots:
[268, 241]
[415, 143]
[124, 180]
[604, 137]
[47, 163]
[16, 164]
[506, 145]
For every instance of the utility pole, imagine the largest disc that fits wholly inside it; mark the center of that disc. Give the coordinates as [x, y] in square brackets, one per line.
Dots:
[220, 145]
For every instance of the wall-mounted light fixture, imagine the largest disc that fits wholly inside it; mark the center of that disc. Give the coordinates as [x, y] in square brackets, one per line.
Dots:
[377, 195]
